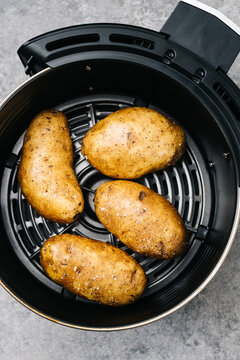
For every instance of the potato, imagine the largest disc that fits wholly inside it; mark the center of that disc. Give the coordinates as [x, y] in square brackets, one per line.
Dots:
[93, 269]
[46, 174]
[132, 142]
[142, 219]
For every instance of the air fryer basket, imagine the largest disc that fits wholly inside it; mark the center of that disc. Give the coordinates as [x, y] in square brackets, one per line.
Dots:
[88, 72]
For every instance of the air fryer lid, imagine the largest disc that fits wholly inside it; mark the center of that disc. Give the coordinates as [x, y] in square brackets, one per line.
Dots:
[88, 72]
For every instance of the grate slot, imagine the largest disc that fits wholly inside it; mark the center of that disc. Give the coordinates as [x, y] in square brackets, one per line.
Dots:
[15, 212]
[165, 188]
[73, 40]
[51, 228]
[106, 108]
[228, 100]
[25, 224]
[43, 230]
[185, 182]
[82, 120]
[14, 183]
[36, 234]
[154, 187]
[196, 213]
[188, 158]
[74, 112]
[195, 182]
[176, 205]
[25, 243]
[79, 130]
[132, 40]
[169, 191]
[186, 211]
[153, 263]
[175, 185]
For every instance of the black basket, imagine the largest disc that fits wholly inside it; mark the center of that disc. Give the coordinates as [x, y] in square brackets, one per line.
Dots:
[88, 72]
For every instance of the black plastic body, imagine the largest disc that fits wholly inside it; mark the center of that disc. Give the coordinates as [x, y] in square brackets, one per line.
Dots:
[203, 34]
[124, 66]
[189, 27]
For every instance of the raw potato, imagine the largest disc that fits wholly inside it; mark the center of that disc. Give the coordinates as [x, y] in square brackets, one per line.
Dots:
[132, 142]
[142, 219]
[93, 269]
[46, 174]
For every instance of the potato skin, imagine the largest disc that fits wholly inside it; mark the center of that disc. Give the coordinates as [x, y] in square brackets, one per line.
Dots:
[46, 174]
[132, 142]
[93, 269]
[142, 219]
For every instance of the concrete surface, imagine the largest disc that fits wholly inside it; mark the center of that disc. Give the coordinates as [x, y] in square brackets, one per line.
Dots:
[209, 326]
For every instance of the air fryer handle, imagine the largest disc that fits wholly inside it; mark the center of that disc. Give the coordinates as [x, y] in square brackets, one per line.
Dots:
[205, 32]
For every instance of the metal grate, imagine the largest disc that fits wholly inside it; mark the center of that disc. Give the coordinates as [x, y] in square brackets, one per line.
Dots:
[181, 185]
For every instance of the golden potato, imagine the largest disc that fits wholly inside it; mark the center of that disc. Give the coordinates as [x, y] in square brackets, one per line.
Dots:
[46, 174]
[93, 269]
[142, 219]
[132, 142]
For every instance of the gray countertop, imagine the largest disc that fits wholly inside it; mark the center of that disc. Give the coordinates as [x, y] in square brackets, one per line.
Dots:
[206, 328]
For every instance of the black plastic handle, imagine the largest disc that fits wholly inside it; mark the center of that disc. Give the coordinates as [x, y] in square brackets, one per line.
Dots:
[204, 33]
[189, 28]
[66, 45]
